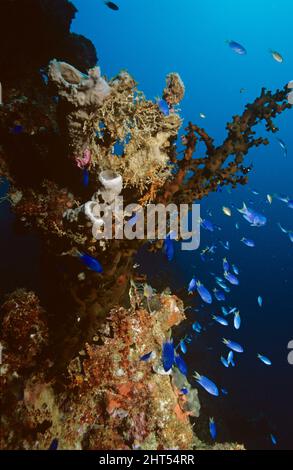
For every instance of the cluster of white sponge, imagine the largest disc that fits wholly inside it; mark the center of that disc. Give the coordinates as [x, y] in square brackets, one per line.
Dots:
[96, 212]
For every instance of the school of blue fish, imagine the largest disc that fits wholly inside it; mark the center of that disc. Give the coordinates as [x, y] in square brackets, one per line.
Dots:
[228, 278]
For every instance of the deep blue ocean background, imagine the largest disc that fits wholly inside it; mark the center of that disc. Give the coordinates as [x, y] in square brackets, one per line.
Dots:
[151, 38]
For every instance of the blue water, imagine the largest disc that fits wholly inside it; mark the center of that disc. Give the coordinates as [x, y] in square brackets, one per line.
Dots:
[151, 38]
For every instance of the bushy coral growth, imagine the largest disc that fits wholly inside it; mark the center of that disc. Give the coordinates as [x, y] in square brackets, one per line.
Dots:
[97, 116]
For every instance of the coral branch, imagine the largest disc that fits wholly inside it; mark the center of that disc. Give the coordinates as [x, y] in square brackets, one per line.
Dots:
[212, 171]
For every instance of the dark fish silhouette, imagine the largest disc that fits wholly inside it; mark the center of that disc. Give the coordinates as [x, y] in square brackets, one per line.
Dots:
[54, 444]
[112, 6]
[146, 357]
[168, 355]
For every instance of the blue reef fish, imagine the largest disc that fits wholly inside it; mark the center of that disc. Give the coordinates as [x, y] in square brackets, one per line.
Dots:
[16, 130]
[290, 236]
[282, 228]
[282, 198]
[204, 293]
[237, 320]
[202, 257]
[222, 284]
[259, 301]
[231, 278]
[224, 391]
[235, 269]
[237, 226]
[230, 358]
[183, 346]
[220, 296]
[236, 47]
[207, 251]
[146, 357]
[44, 76]
[290, 204]
[232, 310]
[248, 242]
[256, 193]
[220, 320]
[213, 429]
[283, 146]
[264, 359]
[196, 326]
[112, 6]
[192, 285]
[207, 225]
[91, 262]
[233, 345]
[180, 363]
[54, 444]
[168, 248]
[168, 355]
[226, 245]
[163, 106]
[225, 311]
[273, 439]
[85, 177]
[207, 384]
[253, 217]
[225, 264]
[225, 288]
[224, 361]
[184, 391]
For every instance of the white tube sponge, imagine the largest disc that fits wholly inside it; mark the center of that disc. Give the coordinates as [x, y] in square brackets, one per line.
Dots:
[94, 210]
[112, 185]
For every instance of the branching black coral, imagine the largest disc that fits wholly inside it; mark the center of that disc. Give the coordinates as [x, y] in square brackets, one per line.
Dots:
[212, 171]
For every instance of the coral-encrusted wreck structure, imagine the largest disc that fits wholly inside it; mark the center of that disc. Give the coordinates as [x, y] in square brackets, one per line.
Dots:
[111, 399]
[73, 369]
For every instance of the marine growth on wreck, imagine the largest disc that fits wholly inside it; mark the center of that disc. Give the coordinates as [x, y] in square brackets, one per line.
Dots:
[94, 359]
